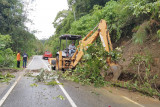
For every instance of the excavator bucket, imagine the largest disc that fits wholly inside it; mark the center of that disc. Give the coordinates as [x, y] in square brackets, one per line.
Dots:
[116, 70]
[113, 73]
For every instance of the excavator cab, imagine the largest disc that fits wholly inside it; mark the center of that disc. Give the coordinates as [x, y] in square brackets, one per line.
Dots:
[69, 40]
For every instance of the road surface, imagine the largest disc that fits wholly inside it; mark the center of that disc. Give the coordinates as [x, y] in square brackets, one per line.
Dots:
[75, 95]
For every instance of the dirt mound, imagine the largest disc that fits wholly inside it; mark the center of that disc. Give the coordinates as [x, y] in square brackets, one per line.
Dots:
[130, 71]
[8, 70]
[150, 47]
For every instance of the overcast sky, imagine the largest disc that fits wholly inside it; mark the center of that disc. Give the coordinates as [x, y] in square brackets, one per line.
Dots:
[43, 14]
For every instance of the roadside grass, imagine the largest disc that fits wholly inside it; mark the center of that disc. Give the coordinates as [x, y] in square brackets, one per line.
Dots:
[144, 89]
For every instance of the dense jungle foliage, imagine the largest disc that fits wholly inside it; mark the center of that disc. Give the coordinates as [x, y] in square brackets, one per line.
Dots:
[14, 35]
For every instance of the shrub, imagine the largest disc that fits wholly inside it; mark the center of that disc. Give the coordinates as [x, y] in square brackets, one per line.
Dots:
[140, 35]
[6, 54]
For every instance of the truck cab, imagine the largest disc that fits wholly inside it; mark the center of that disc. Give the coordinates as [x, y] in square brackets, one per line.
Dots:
[47, 55]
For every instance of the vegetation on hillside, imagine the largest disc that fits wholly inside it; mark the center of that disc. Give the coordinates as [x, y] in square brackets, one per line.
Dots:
[122, 17]
[14, 35]
[134, 19]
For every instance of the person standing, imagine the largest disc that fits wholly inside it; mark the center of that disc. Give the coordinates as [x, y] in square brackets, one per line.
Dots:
[25, 58]
[18, 59]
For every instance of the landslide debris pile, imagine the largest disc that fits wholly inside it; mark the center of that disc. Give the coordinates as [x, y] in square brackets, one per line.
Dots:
[141, 59]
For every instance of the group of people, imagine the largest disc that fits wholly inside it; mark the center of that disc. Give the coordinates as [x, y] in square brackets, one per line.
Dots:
[25, 59]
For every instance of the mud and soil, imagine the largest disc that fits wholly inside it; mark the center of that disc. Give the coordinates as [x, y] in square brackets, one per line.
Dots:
[149, 47]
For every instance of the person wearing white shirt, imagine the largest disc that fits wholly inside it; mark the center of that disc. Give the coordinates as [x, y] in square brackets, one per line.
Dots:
[72, 48]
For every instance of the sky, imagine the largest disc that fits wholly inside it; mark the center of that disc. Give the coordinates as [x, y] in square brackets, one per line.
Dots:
[42, 13]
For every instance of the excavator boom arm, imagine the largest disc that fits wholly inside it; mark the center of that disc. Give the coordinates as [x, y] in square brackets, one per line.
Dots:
[84, 43]
[64, 63]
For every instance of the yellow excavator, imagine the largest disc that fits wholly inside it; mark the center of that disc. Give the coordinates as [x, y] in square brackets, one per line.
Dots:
[63, 61]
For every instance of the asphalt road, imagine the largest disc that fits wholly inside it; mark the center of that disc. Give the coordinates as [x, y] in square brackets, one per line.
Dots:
[23, 95]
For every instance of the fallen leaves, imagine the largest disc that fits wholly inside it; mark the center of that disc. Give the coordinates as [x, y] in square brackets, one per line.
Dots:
[53, 83]
[33, 85]
[60, 97]
[6, 77]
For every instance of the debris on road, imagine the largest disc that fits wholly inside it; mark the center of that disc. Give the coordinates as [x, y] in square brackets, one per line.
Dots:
[42, 75]
[34, 84]
[29, 74]
[6, 77]
[94, 92]
[60, 97]
[53, 83]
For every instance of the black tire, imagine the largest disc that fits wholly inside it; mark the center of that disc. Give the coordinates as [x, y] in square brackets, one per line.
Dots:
[53, 68]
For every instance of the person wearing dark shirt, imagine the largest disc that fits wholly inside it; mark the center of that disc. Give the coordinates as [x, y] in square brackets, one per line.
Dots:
[25, 58]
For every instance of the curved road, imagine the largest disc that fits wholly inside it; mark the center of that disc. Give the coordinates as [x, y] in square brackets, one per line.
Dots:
[76, 95]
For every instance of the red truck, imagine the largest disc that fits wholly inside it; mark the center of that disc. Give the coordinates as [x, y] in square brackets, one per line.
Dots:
[47, 55]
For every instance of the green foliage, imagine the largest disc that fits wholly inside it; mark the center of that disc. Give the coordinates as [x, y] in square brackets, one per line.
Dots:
[12, 22]
[158, 33]
[6, 77]
[41, 76]
[118, 14]
[63, 20]
[147, 82]
[60, 97]
[141, 34]
[145, 7]
[29, 74]
[6, 54]
[93, 62]
[61, 15]
[143, 88]
[33, 85]
[83, 7]
[115, 54]
[88, 71]
[11, 12]
[53, 83]
[121, 16]
[5, 40]
[147, 59]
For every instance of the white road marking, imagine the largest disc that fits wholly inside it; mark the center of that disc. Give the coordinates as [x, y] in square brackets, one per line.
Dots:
[67, 95]
[46, 65]
[30, 62]
[63, 90]
[10, 90]
[132, 101]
